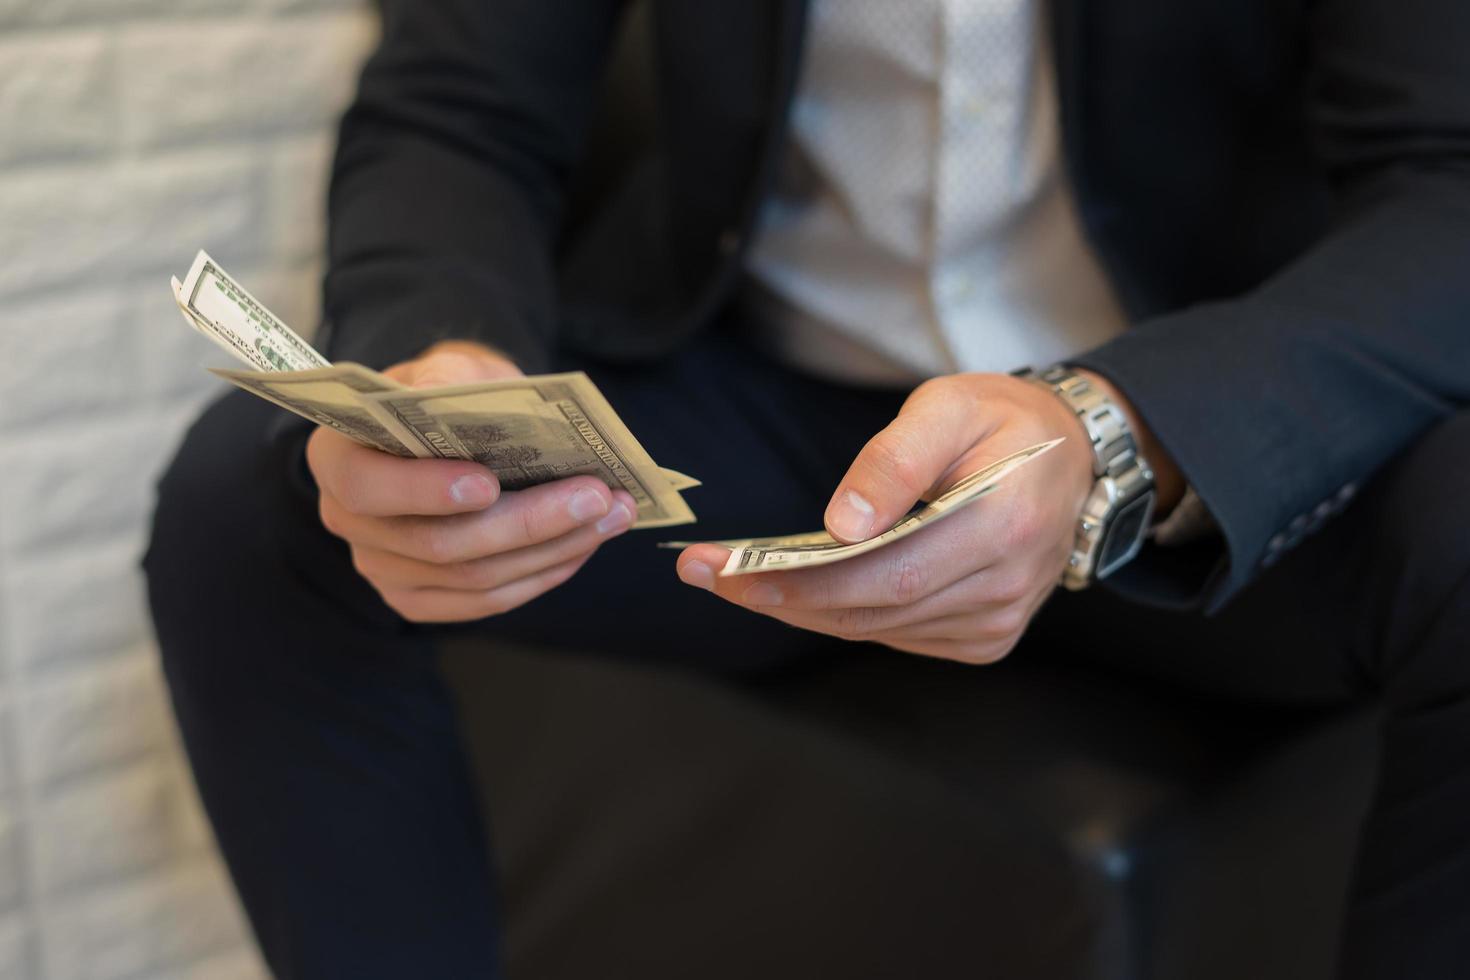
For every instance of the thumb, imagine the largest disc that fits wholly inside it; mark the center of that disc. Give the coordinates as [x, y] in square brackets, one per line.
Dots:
[454, 362]
[933, 430]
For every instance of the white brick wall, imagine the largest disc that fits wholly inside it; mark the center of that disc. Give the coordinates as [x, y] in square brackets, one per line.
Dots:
[131, 133]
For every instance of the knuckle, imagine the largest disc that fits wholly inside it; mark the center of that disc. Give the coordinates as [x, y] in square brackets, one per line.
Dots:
[910, 580]
[349, 495]
[981, 654]
[1007, 622]
[364, 564]
[1025, 524]
[434, 545]
[530, 523]
[938, 387]
[481, 573]
[1002, 651]
[326, 509]
[926, 389]
[857, 623]
[1010, 588]
[493, 605]
[890, 456]
[406, 606]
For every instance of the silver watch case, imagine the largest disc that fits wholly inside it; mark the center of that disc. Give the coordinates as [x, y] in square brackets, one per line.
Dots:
[1111, 530]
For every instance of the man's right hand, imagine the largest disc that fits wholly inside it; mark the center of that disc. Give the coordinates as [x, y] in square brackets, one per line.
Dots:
[436, 537]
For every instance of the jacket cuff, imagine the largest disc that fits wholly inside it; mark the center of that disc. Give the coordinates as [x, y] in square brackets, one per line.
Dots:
[1160, 367]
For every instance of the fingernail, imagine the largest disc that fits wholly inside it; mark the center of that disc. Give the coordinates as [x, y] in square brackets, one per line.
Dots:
[618, 519]
[697, 573]
[585, 505]
[762, 594]
[472, 490]
[851, 518]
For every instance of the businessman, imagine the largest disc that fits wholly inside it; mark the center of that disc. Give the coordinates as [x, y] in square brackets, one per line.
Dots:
[1230, 241]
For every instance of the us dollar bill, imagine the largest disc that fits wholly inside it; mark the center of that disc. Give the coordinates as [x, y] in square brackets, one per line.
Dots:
[527, 430]
[194, 324]
[225, 311]
[679, 481]
[750, 555]
[333, 397]
[536, 429]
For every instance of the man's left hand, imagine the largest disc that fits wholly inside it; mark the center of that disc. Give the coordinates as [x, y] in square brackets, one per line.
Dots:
[968, 590]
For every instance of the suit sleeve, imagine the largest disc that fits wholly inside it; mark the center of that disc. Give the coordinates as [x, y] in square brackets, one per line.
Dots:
[1277, 405]
[446, 190]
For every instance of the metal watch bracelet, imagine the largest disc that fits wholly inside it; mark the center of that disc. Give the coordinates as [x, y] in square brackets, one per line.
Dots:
[1116, 515]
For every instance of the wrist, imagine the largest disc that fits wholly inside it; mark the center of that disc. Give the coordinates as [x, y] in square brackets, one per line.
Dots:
[453, 362]
[472, 349]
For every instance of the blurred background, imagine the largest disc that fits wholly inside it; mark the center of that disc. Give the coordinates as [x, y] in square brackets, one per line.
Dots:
[132, 133]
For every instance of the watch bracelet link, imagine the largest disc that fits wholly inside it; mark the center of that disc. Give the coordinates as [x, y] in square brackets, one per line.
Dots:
[1123, 477]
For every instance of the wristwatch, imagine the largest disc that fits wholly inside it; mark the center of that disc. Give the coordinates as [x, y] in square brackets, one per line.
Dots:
[1115, 518]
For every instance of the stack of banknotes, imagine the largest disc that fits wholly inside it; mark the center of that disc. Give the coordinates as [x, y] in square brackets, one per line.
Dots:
[528, 430]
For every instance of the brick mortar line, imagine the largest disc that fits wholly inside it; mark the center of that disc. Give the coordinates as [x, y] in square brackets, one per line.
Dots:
[123, 151]
[183, 857]
[16, 29]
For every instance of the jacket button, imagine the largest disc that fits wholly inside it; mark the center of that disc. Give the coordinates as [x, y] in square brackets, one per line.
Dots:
[729, 242]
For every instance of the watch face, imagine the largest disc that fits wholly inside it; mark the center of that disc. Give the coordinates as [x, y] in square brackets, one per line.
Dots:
[1124, 534]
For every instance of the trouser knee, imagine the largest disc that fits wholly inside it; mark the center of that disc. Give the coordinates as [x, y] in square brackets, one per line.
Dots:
[218, 514]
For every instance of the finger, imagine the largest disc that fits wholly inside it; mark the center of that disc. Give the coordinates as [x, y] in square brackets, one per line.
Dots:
[990, 623]
[898, 575]
[937, 424]
[367, 482]
[995, 620]
[456, 606]
[519, 519]
[387, 570]
[984, 591]
[965, 652]
[886, 623]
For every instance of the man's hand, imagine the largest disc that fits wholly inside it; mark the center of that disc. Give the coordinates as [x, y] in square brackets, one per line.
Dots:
[436, 537]
[967, 589]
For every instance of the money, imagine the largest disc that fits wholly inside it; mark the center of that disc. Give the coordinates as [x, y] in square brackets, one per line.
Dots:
[534, 430]
[678, 480]
[229, 315]
[528, 430]
[333, 397]
[750, 555]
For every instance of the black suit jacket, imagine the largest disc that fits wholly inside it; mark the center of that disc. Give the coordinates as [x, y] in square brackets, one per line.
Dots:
[1279, 190]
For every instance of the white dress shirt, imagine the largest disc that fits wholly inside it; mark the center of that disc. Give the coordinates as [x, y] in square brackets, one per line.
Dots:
[923, 224]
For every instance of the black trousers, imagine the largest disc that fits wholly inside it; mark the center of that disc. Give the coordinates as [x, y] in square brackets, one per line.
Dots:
[324, 742]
